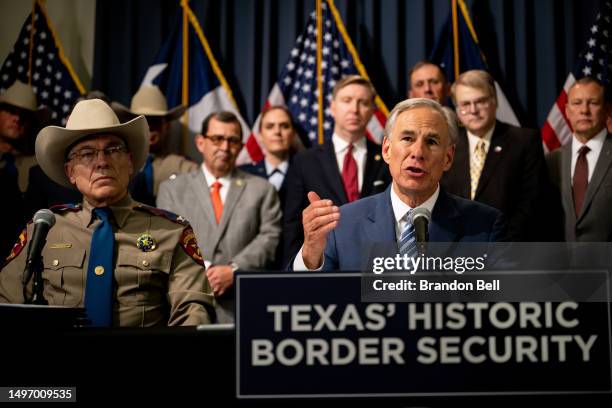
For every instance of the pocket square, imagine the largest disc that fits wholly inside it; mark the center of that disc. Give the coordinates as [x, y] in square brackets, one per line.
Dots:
[378, 183]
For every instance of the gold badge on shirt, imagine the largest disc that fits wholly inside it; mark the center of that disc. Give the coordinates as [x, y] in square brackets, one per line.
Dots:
[146, 243]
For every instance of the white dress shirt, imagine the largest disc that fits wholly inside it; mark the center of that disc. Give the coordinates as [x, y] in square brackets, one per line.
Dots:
[595, 144]
[400, 211]
[360, 152]
[225, 182]
[276, 178]
[473, 141]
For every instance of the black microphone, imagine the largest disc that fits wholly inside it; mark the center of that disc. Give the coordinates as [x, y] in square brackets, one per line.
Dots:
[420, 220]
[43, 221]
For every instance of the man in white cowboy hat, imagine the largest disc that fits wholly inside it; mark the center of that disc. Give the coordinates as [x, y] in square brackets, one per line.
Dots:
[160, 165]
[19, 114]
[127, 264]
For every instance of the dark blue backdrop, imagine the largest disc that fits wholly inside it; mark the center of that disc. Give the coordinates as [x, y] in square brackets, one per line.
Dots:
[531, 45]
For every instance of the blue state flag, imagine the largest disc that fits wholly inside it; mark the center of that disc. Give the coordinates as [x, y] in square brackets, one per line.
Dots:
[457, 51]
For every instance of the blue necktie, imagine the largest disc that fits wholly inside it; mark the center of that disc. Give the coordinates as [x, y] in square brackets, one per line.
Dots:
[9, 164]
[99, 285]
[407, 242]
[148, 173]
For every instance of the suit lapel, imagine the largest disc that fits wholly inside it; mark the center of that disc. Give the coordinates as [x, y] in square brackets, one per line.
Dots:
[444, 226]
[372, 166]
[496, 149]
[462, 162]
[382, 227]
[329, 164]
[566, 182]
[233, 195]
[601, 169]
[202, 190]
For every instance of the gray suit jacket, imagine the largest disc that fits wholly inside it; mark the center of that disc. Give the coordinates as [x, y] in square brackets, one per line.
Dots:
[594, 223]
[248, 233]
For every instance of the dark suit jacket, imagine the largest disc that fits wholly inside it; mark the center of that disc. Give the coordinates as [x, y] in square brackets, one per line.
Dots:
[594, 223]
[371, 220]
[317, 170]
[512, 180]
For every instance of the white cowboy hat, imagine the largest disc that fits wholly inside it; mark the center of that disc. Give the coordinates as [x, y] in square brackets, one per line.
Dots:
[149, 101]
[89, 117]
[20, 95]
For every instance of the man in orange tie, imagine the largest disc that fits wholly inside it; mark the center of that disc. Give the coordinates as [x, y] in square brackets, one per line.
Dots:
[236, 216]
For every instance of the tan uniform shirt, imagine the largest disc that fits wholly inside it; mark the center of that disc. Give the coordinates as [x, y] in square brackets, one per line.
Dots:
[168, 167]
[167, 285]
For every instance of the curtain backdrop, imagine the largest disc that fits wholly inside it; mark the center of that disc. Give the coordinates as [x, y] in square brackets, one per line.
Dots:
[530, 45]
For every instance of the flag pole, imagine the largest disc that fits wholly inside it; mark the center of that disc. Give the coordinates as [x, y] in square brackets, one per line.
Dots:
[319, 72]
[32, 21]
[455, 38]
[185, 77]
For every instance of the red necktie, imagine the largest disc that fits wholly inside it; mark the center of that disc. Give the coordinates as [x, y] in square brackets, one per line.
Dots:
[215, 197]
[581, 179]
[349, 175]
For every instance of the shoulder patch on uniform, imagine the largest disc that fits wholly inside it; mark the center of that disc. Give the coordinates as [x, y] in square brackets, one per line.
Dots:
[162, 213]
[190, 245]
[62, 208]
[18, 247]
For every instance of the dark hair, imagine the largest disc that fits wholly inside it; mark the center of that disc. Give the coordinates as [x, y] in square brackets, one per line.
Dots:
[420, 65]
[224, 117]
[276, 107]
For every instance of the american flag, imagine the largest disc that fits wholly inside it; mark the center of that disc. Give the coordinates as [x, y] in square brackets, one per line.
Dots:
[38, 58]
[594, 61]
[297, 86]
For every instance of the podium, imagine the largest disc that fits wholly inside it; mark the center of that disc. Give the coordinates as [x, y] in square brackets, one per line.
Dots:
[34, 317]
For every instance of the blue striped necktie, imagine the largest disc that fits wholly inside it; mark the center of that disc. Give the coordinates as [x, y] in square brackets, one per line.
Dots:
[99, 285]
[407, 242]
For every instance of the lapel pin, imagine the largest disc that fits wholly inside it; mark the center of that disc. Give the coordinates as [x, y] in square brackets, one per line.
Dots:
[377, 157]
[497, 149]
[239, 182]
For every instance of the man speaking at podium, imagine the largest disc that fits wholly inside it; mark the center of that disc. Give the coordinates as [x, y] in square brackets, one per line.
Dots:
[419, 146]
[126, 263]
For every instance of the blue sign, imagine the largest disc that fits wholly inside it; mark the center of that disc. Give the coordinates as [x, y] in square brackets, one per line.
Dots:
[310, 335]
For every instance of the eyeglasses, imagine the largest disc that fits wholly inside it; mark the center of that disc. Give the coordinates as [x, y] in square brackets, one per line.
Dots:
[480, 103]
[217, 140]
[88, 155]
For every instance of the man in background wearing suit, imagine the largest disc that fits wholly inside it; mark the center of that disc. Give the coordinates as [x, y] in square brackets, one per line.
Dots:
[427, 80]
[496, 163]
[343, 169]
[419, 145]
[235, 215]
[581, 169]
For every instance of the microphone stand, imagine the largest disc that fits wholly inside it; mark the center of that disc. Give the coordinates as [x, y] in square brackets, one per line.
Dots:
[35, 269]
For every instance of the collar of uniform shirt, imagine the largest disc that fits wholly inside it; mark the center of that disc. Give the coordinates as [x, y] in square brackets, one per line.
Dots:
[473, 140]
[121, 211]
[210, 179]
[340, 145]
[282, 168]
[400, 209]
